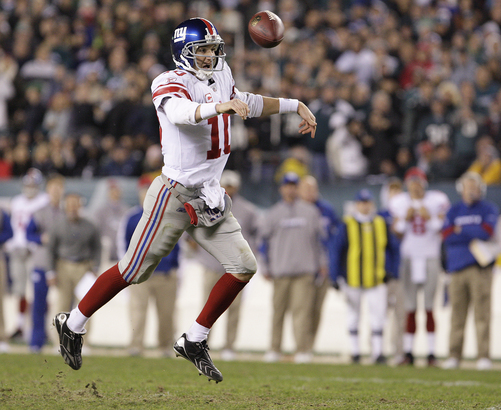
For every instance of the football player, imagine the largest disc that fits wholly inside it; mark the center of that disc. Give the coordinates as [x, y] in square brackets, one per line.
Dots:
[194, 104]
[418, 218]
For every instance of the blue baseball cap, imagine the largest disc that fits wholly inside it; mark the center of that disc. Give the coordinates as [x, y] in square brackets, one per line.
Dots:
[290, 178]
[364, 195]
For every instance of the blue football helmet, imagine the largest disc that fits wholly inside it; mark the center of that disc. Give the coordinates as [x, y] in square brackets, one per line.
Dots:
[190, 35]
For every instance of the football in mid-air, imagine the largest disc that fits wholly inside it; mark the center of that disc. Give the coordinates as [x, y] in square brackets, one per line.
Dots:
[266, 29]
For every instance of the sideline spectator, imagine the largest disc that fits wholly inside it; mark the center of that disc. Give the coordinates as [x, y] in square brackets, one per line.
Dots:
[396, 304]
[468, 222]
[309, 192]
[292, 230]
[361, 266]
[74, 249]
[108, 217]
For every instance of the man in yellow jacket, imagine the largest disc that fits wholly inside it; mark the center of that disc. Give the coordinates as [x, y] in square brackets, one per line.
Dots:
[363, 260]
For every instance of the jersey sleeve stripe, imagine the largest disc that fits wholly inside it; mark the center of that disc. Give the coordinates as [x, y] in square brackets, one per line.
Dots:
[181, 85]
[171, 89]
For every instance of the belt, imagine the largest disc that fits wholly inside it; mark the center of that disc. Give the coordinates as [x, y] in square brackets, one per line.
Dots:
[187, 193]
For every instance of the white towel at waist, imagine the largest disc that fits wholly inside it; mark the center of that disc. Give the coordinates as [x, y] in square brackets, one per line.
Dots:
[213, 194]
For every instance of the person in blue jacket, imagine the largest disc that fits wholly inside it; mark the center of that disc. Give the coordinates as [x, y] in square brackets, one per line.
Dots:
[5, 234]
[469, 221]
[162, 286]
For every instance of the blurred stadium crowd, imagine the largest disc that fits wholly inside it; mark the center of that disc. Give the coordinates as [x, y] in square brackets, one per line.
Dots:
[393, 83]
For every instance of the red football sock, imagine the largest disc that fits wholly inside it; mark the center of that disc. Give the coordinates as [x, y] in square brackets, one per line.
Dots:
[430, 322]
[104, 289]
[23, 305]
[411, 322]
[221, 296]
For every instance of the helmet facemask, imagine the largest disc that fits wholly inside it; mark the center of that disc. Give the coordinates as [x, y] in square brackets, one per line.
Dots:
[189, 57]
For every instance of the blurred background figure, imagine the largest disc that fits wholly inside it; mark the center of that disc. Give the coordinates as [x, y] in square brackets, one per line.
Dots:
[395, 307]
[309, 192]
[419, 216]
[248, 218]
[108, 217]
[470, 223]
[5, 234]
[74, 249]
[292, 231]
[22, 208]
[38, 232]
[161, 287]
[487, 163]
[360, 267]
[323, 109]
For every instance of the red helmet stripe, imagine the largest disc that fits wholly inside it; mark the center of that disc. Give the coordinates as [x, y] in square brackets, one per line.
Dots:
[209, 25]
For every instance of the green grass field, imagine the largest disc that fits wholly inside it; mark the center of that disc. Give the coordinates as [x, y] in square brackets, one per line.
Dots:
[45, 382]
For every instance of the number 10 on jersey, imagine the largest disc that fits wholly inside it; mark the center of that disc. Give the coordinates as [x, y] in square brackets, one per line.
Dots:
[217, 134]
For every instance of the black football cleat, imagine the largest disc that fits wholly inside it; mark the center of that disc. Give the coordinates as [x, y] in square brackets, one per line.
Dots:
[70, 343]
[197, 353]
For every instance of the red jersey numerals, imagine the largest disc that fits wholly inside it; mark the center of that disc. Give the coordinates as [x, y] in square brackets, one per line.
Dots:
[216, 134]
[418, 225]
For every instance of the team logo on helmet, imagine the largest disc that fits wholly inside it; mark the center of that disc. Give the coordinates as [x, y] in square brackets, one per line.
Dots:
[186, 40]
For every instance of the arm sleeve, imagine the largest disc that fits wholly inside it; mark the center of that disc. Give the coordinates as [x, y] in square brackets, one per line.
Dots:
[33, 232]
[180, 111]
[254, 101]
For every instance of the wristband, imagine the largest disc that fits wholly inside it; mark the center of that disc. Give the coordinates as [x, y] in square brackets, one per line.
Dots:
[208, 110]
[288, 105]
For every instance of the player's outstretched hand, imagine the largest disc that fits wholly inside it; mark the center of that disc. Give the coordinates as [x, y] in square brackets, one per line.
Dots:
[309, 123]
[234, 106]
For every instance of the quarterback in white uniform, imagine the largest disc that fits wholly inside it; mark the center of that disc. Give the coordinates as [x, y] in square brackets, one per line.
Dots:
[418, 217]
[193, 104]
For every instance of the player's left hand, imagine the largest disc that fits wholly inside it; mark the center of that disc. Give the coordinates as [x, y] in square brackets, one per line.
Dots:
[309, 123]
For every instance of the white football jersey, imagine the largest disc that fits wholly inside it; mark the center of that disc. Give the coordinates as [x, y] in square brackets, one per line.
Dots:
[197, 153]
[21, 210]
[421, 238]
